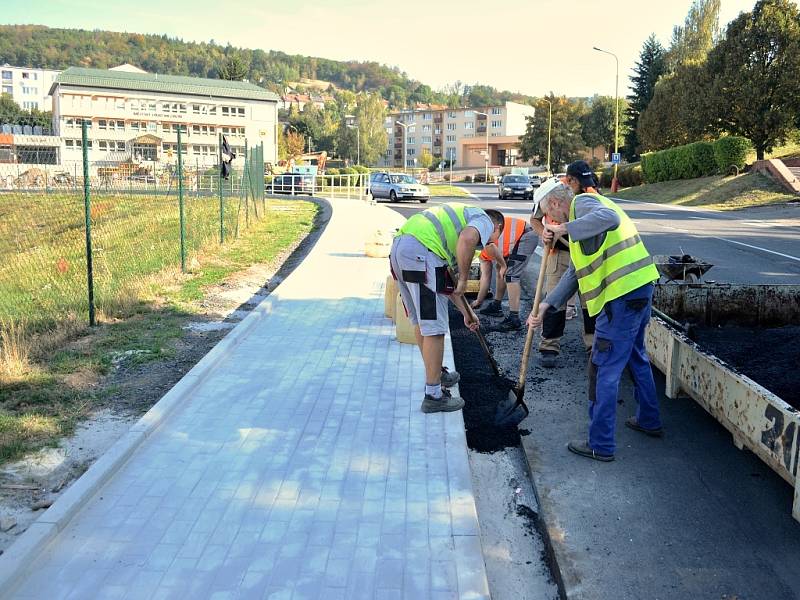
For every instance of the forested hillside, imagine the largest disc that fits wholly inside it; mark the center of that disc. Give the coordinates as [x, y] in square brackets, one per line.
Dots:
[44, 47]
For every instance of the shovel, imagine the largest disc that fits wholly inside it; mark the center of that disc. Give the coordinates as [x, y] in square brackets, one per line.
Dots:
[513, 410]
[478, 332]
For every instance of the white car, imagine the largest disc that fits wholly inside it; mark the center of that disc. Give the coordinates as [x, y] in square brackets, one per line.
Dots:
[397, 186]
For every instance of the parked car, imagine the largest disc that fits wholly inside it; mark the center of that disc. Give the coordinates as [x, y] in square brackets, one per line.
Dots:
[397, 186]
[142, 178]
[515, 185]
[292, 183]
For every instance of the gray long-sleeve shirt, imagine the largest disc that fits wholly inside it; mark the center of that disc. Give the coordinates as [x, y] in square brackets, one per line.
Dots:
[592, 221]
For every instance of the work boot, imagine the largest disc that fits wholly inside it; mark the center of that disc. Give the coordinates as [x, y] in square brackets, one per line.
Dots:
[632, 423]
[549, 359]
[495, 309]
[449, 379]
[584, 449]
[447, 403]
[510, 323]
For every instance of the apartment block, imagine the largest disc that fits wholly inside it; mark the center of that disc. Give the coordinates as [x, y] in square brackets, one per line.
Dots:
[30, 88]
[462, 135]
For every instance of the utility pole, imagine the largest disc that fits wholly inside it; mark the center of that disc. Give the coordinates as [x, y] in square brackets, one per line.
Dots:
[486, 175]
[549, 131]
[614, 184]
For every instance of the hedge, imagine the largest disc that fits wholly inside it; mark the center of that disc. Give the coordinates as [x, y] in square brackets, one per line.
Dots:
[695, 160]
[628, 176]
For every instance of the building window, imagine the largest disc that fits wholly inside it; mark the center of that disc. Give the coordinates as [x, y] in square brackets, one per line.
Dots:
[68, 143]
[31, 76]
[102, 145]
[426, 139]
[469, 125]
[224, 111]
[196, 109]
[451, 127]
[427, 116]
[411, 151]
[497, 110]
[29, 90]
[241, 112]
[120, 146]
[451, 138]
[410, 140]
[497, 124]
[30, 105]
[102, 124]
[7, 89]
[451, 115]
[451, 154]
[7, 75]
[426, 128]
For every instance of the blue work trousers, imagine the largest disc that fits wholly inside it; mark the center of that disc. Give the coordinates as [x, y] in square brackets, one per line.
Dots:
[619, 343]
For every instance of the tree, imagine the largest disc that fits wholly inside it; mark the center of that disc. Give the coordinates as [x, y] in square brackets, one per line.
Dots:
[643, 82]
[234, 67]
[566, 145]
[370, 117]
[599, 124]
[295, 145]
[756, 74]
[694, 40]
[680, 110]
[425, 158]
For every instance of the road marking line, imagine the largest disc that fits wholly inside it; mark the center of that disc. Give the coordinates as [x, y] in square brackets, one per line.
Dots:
[644, 212]
[789, 256]
[698, 218]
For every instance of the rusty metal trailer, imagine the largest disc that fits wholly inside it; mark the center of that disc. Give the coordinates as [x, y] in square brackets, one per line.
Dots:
[758, 419]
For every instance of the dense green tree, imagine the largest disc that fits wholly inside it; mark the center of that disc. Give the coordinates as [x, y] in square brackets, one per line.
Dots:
[692, 41]
[756, 74]
[234, 67]
[12, 113]
[647, 72]
[680, 110]
[599, 123]
[567, 144]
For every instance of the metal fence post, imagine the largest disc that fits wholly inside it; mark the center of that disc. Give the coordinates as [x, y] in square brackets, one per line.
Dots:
[87, 212]
[221, 200]
[246, 173]
[180, 202]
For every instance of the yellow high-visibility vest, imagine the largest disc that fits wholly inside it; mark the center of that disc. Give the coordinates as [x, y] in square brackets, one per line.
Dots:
[437, 228]
[621, 264]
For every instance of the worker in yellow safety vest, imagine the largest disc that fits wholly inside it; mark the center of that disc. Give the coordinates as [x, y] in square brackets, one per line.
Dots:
[511, 253]
[424, 249]
[614, 273]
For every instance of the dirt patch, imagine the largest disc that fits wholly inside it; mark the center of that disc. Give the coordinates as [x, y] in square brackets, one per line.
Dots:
[769, 356]
[481, 389]
[132, 387]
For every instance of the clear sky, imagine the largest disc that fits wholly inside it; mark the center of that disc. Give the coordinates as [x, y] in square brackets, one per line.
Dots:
[532, 46]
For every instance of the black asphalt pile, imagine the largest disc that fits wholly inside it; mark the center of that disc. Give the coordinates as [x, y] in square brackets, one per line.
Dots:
[770, 356]
[481, 389]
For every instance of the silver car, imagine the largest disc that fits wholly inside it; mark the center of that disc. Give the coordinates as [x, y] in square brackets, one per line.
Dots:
[396, 187]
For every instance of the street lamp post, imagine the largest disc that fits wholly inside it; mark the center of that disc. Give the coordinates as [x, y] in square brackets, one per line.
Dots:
[486, 174]
[405, 127]
[358, 142]
[549, 130]
[616, 117]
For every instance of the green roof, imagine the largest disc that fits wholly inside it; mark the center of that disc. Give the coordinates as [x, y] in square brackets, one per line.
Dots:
[153, 82]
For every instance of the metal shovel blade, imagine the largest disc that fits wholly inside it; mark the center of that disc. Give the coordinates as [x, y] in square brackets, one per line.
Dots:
[511, 411]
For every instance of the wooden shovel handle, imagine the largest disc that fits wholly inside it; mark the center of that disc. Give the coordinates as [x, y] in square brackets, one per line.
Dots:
[523, 368]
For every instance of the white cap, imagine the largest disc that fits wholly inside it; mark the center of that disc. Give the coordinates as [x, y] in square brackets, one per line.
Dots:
[544, 189]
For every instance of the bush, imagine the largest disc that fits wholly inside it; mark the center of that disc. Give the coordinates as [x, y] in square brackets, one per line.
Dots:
[333, 171]
[468, 179]
[731, 151]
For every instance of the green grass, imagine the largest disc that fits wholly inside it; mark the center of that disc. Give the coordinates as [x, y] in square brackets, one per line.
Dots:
[716, 192]
[438, 190]
[51, 365]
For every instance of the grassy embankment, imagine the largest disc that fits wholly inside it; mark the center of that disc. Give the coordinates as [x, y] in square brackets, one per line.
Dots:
[50, 361]
[443, 190]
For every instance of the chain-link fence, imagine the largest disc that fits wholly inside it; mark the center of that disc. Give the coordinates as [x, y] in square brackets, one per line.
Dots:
[84, 224]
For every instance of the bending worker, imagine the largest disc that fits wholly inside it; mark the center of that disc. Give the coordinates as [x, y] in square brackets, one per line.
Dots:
[511, 253]
[614, 273]
[554, 320]
[425, 246]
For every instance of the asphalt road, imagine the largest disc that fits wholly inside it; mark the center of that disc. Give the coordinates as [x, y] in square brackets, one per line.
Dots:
[759, 245]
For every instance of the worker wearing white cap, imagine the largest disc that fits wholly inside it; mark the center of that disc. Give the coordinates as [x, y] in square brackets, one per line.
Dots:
[554, 320]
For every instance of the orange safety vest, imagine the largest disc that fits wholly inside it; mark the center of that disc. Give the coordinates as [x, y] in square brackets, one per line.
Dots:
[513, 229]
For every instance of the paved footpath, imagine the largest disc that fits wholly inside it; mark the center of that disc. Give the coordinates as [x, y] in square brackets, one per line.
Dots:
[293, 462]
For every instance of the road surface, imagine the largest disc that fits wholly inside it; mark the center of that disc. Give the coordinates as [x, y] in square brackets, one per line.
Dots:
[760, 245]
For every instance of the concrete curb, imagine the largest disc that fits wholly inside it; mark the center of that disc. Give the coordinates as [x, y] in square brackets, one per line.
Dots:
[21, 554]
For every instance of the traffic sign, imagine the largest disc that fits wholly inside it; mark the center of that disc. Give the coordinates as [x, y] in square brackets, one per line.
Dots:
[615, 158]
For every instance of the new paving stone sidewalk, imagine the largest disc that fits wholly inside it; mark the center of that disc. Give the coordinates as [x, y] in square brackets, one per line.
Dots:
[298, 466]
